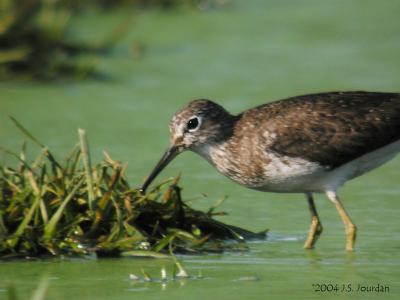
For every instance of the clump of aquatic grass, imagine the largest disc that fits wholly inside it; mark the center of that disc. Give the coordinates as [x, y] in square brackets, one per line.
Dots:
[75, 207]
[35, 41]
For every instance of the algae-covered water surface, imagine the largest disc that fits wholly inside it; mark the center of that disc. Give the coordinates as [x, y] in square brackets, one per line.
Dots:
[240, 55]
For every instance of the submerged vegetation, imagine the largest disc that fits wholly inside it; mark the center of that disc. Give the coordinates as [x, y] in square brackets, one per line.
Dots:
[36, 40]
[74, 207]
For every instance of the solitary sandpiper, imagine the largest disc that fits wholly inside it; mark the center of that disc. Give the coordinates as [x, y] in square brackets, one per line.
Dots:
[305, 144]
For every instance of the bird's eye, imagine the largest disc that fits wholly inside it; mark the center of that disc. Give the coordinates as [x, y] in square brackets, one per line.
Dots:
[193, 124]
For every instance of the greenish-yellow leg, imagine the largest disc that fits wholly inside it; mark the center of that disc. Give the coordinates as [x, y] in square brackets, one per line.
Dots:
[350, 228]
[316, 226]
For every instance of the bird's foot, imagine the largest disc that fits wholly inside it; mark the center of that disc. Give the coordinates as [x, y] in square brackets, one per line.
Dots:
[313, 234]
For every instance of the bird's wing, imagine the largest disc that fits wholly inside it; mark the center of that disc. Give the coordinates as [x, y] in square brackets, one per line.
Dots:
[332, 128]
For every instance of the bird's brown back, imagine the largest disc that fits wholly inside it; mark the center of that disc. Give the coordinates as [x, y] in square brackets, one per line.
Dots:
[328, 128]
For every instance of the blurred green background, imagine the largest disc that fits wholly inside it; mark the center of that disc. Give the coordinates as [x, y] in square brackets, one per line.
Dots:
[140, 62]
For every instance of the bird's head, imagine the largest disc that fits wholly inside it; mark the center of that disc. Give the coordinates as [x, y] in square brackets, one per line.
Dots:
[199, 123]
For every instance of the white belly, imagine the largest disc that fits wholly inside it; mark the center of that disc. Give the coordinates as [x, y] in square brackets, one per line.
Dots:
[299, 176]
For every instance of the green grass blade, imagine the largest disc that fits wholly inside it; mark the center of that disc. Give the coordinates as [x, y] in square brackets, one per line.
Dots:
[43, 211]
[12, 293]
[41, 290]
[3, 228]
[17, 157]
[87, 166]
[52, 224]
[144, 253]
[36, 141]
[26, 132]
[28, 217]
[164, 242]
[39, 159]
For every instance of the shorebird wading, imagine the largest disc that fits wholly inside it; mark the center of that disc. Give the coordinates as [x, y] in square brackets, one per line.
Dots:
[306, 144]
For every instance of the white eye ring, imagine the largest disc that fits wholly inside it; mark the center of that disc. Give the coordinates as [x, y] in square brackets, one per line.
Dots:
[193, 124]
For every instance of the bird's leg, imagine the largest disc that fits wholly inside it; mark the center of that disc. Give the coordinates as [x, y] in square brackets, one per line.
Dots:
[316, 226]
[349, 226]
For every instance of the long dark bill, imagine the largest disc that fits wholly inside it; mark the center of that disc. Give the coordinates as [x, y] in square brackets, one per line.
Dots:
[164, 161]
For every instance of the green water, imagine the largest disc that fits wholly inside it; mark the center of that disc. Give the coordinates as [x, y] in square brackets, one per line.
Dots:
[246, 54]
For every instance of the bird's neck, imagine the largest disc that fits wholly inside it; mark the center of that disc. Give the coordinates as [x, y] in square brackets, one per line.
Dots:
[218, 154]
